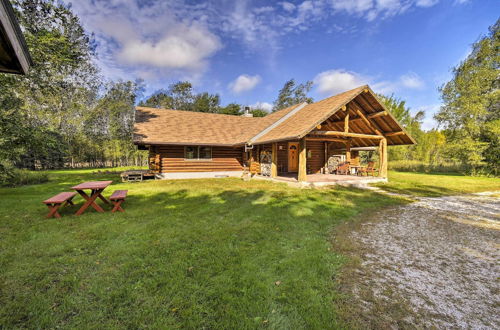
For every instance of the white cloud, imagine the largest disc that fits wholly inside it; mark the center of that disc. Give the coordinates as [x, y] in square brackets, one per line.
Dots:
[265, 9]
[371, 9]
[160, 38]
[338, 81]
[262, 105]
[426, 3]
[353, 6]
[412, 80]
[244, 83]
[185, 47]
[288, 6]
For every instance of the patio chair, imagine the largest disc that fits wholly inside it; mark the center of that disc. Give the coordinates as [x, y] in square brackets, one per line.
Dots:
[370, 169]
[343, 169]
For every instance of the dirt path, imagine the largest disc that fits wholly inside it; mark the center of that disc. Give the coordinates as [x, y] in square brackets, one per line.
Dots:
[432, 263]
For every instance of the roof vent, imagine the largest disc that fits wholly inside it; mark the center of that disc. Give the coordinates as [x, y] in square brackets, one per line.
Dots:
[247, 112]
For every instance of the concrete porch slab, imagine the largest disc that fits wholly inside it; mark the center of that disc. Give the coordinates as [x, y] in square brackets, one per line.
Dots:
[322, 180]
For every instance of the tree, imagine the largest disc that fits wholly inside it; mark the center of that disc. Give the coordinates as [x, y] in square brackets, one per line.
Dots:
[471, 110]
[430, 145]
[292, 94]
[61, 112]
[259, 112]
[182, 95]
[205, 102]
[51, 100]
[159, 99]
[398, 108]
[231, 109]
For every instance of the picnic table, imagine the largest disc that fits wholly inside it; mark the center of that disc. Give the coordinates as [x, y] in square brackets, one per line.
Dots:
[96, 188]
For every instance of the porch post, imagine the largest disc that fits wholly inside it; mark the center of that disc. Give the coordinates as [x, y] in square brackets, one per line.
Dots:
[348, 150]
[302, 175]
[382, 170]
[274, 161]
[326, 158]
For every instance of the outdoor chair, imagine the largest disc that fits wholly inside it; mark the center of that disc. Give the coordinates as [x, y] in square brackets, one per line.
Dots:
[370, 169]
[343, 169]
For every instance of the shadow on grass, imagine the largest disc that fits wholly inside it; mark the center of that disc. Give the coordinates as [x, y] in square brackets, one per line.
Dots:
[419, 190]
[186, 254]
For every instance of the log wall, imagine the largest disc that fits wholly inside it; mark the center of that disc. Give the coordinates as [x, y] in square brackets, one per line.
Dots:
[223, 159]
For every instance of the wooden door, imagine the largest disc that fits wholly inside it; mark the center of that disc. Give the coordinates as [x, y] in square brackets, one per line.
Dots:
[293, 156]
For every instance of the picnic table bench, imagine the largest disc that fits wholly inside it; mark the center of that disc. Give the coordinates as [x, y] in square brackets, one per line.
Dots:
[117, 198]
[55, 202]
[96, 188]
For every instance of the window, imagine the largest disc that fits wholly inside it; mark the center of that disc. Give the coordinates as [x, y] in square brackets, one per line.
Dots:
[197, 153]
[205, 152]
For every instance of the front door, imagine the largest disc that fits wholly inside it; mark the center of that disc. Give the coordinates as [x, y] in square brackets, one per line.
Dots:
[293, 156]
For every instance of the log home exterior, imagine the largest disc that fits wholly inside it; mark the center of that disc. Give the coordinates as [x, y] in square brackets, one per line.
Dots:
[300, 140]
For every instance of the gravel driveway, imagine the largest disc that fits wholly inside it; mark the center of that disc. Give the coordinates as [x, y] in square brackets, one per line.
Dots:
[430, 264]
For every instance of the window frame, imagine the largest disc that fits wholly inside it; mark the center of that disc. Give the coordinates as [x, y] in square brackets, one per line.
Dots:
[197, 154]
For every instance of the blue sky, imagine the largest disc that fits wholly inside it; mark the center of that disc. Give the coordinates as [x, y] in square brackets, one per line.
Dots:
[246, 50]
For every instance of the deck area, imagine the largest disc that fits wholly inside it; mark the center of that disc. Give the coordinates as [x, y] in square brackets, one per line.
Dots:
[319, 180]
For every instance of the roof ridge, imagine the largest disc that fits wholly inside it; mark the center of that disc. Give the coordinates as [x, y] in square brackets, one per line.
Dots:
[345, 92]
[197, 112]
[277, 122]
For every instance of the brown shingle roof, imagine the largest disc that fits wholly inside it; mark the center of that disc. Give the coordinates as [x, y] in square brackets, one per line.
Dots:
[161, 126]
[308, 117]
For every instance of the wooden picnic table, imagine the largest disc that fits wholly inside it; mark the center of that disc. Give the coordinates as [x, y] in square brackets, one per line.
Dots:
[96, 188]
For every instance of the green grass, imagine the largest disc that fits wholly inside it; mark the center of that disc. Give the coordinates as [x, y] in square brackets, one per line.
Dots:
[434, 185]
[185, 254]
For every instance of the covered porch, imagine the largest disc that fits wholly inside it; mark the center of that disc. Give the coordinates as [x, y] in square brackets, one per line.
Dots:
[327, 160]
[328, 149]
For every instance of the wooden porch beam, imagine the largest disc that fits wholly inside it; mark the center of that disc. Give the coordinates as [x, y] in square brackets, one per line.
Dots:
[382, 170]
[353, 135]
[346, 123]
[368, 122]
[302, 175]
[376, 114]
[274, 160]
[326, 139]
[325, 166]
[342, 121]
[395, 133]
[348, 151]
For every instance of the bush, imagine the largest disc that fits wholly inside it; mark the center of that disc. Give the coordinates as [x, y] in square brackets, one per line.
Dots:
[418, 166]
[17, 177]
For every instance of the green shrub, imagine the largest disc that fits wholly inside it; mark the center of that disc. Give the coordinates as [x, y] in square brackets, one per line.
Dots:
[17, 177]
[418, 166]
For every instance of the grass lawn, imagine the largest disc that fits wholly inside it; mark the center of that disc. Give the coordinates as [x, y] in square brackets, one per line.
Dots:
[218, 253]
[434, 185]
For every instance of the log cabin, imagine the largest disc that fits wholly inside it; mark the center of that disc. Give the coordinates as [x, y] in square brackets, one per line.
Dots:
[301, 140]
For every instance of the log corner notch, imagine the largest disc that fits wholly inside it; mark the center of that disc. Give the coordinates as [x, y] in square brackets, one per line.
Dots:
[302, 175]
